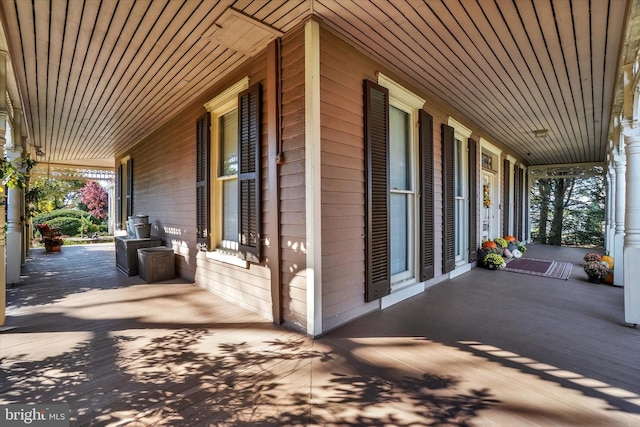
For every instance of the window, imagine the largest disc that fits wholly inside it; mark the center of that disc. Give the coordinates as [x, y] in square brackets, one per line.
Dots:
[402, 194]
[399, 192]
[462, 192]
[228, 194]
[124, 192]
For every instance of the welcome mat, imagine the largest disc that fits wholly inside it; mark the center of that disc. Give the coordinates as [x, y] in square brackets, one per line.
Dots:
[540, 267]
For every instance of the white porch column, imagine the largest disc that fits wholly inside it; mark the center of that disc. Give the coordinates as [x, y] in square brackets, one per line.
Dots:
[610, 224]
[3, 121]
[618, 238]
[632, 224]
[14, 223]
[313, 165]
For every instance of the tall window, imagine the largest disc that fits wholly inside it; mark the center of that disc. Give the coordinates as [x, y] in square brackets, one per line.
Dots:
[224, 175]
[228, 177]
[399, 245]
[461, 194]
[403, 171]
[228, 191]
[402, 194]
[461, 190]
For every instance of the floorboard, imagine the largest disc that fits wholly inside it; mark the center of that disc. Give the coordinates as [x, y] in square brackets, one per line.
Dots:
[488, 348]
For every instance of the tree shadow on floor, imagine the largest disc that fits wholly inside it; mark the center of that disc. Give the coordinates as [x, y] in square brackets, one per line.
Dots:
[196, 376]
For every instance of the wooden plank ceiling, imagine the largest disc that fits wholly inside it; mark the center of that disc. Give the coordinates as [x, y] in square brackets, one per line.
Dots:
[96, 76]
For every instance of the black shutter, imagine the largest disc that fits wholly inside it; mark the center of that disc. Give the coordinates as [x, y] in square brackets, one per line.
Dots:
[249, 163]
[517, 203]
[448, 200]
[129, 187]
[119, 198]
[525, 206]
[377, 247]
[202, 181]
[506, 211]
[473, 200]
[426, 197]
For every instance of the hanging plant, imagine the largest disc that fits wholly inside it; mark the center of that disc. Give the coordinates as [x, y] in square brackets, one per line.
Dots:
[15, 174]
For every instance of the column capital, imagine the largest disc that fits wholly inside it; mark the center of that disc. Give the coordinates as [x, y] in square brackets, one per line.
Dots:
[631, 131]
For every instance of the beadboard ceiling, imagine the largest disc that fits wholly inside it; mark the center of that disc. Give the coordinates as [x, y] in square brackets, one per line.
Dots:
[96, 76]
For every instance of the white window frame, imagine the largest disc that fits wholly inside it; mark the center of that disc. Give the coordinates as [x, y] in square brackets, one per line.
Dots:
[410, 103]
[224, 250]
[462, 133]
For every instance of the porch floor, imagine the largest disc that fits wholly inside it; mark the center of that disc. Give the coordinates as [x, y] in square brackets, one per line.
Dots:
[484, 349]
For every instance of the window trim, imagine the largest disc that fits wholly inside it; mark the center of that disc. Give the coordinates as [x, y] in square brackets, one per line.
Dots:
[410, 103]
[221, 250]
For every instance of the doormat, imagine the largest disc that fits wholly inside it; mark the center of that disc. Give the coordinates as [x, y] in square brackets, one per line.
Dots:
[540, 267]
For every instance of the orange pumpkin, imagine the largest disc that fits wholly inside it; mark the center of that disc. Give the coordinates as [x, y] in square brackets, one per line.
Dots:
[489, 244]
[509, 238]
[608, 259]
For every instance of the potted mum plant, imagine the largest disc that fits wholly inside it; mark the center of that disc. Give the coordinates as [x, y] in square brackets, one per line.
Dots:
[595, 267]
[494, 261]
[597, 271]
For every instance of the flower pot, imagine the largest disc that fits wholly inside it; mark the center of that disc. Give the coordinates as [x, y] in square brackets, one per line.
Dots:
[143, 231]
[595, 279]
[52, 248]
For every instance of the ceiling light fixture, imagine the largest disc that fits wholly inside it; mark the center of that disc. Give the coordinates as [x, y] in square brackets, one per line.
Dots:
[540, 133]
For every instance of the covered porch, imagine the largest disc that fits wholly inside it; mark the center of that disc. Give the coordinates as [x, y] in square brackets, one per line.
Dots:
[485, 348]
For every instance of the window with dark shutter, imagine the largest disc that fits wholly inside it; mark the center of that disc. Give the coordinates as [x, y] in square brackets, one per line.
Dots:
[517, 204]
[202, 181]
[377, 248]
[448, 199]
[249, 162]
[129, 187]
[506, 208]
[426, 197]
[118, 186]
[473, 200]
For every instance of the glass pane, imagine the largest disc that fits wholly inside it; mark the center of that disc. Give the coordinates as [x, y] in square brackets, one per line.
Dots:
[230, 210]
[400, 153]
[459, 170]
[229, 143]
[399, 233]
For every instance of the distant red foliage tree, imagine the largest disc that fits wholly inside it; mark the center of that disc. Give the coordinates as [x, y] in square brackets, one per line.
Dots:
[96, 198]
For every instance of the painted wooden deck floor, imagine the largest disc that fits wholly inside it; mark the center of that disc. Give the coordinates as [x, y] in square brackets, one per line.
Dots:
[484, 349]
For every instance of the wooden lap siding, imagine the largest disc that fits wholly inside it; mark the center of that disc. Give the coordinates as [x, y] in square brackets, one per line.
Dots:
[292, 186]
[342, 180]
[248, 287]
[344, 230]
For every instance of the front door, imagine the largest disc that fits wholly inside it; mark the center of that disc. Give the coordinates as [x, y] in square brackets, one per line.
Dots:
[489, 206]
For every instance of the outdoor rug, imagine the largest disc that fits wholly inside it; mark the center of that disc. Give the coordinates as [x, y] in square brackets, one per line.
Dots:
[540, 267]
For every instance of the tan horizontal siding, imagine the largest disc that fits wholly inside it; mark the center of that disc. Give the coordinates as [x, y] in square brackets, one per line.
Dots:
[342, 176]
[164, 189]
[292, 183]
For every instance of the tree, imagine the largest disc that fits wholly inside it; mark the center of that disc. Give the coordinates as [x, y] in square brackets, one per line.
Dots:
[96, 198]
[54, 194]
[561, 199]
[568, 211]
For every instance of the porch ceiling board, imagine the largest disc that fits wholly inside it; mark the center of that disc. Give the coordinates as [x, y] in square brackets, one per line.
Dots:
[96, 76]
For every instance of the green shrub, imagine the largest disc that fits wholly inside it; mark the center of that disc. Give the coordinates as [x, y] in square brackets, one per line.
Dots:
[46, 217]
[68, 226]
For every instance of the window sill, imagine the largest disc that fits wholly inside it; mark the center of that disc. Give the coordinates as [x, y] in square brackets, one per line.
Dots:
[227, 257]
